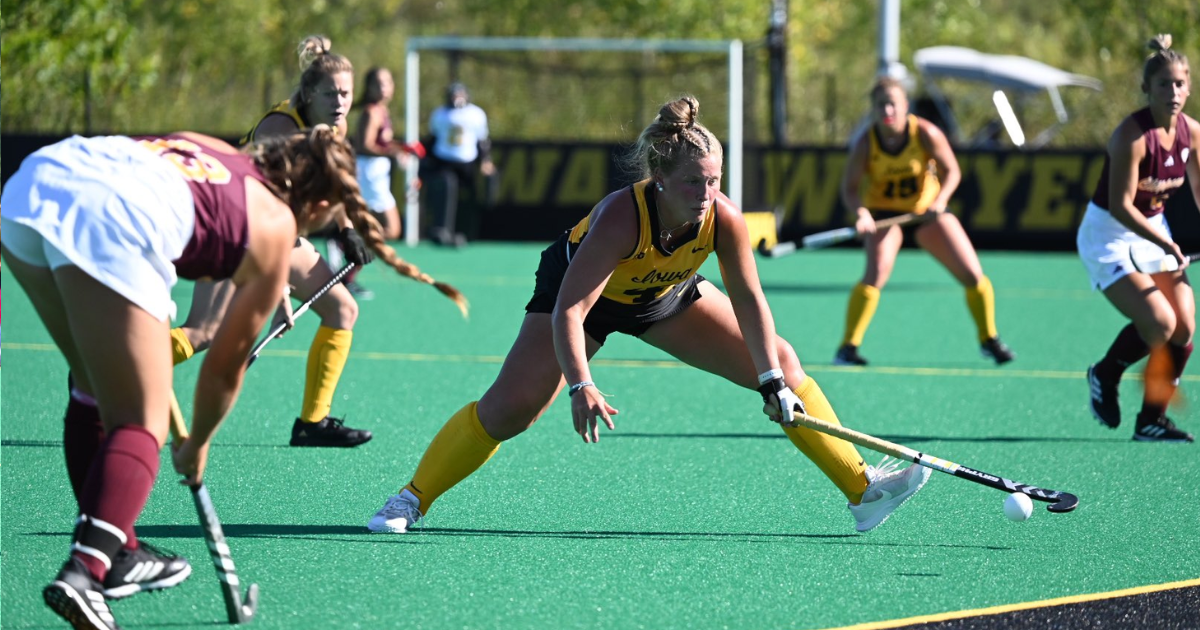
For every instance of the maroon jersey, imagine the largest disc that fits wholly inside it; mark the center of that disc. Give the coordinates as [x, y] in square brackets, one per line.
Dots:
[1160, 173]
[384, 136]
[217, 182]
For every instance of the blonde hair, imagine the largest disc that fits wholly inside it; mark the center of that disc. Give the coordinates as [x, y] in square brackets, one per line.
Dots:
[885, 83]
[673, 136]
[1161, 57]
[316, 63]
[318, 165]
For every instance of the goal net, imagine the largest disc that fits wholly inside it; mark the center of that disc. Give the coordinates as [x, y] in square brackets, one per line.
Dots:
[575, 90]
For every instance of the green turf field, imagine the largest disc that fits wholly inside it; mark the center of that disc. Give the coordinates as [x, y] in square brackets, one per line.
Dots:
[695, 513]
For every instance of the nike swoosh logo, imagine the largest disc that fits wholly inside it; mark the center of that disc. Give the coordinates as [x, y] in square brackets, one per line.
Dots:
[697, 249]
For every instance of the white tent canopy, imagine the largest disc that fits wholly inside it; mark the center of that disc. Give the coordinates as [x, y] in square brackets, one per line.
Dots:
[1004, 71]
[1001, 72]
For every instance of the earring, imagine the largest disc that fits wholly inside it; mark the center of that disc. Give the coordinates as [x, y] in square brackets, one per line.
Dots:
[660, 186]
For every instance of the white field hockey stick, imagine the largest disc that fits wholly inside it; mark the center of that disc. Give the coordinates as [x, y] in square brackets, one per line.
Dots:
[1155, 260]
[237, 608]
[841, 235]
[1059, 501]
[283, 326]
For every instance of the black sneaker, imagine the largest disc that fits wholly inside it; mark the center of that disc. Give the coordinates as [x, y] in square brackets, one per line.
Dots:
[848, 355]
[360, 293]
[328, 432]
[1105, 407]
[1159, 429]
[146, 568]
[75, 595]
[995, 350]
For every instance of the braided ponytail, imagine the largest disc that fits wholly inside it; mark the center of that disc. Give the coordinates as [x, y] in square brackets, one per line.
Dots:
[303, 168]
[343, 164]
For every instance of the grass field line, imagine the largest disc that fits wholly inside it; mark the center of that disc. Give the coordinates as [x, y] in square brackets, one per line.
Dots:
[996, 610]
[412, 357]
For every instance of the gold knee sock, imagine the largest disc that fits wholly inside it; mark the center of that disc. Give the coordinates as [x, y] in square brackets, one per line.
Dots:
[981, 301]
[458, 450]
[863, 300]
[837, 458]
[181, 347]
[326, 360]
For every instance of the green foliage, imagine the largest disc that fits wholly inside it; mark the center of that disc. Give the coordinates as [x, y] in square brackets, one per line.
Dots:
[214, 65]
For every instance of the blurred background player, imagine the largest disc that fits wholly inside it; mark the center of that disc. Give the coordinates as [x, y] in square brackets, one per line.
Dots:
[461, 152]
[1149, 155]
[95, 231]
[897, 158]
[377, 150]
[323, 97]
[630, 267]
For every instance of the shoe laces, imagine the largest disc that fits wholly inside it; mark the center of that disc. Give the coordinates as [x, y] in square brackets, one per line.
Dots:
[885, 467]
[399, 506]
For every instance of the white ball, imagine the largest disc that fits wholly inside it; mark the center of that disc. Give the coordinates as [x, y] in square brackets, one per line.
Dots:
[1018, 506]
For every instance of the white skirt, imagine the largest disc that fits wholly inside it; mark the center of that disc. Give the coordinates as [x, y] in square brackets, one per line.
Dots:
[105, 205]
[375, 180]
[1106, 246]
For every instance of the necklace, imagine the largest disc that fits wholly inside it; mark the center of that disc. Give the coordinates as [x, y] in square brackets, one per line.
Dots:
[666, 234]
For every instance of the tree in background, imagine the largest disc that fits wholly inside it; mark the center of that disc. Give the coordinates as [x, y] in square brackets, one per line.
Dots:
[214, 64]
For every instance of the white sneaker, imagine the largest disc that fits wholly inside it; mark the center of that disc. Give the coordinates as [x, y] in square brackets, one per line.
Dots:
[397, 514]
[887, 489]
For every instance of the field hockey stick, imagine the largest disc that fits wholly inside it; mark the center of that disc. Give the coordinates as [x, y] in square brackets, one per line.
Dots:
[237, 609]
[833, 237]
[282, 326]
[1155, 262]
[1059, 501]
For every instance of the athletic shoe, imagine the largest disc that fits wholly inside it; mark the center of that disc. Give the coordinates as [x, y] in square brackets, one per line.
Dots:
[1159, 429]
[887, 489]
[146, 568]
[329, 431]
[400, 512]
[995, 350]
[360, 293]
[1104, 404]
[75, 595]
[848, 355]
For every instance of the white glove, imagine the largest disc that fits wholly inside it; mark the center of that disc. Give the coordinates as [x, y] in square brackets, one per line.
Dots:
[778, 398]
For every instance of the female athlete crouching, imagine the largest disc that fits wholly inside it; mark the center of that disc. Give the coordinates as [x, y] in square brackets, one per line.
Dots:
[630, 267]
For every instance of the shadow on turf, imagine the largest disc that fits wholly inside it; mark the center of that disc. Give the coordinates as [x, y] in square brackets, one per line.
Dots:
[839, 539]
[322, 533]
[901, 439]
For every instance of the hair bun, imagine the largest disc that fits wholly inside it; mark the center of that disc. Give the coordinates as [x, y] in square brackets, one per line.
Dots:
[1161, 42]
[311, 48]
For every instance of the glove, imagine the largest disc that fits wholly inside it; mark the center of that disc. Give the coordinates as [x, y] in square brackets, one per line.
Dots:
[354, 247]
[777, 395]
[416, 148]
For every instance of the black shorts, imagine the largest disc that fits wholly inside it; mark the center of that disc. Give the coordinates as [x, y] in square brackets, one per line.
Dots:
[607, 316]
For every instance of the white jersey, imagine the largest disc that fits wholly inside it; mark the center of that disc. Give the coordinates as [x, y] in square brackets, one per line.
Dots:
[457, 132]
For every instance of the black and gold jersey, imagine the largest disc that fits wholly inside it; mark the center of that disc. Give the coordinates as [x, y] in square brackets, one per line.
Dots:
[649, 272]
[283, 107]
[903, 180]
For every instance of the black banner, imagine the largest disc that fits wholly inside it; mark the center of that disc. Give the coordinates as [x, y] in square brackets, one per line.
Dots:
[1007, 199]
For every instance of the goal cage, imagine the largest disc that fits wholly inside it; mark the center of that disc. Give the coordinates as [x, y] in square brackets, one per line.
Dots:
[575, 90]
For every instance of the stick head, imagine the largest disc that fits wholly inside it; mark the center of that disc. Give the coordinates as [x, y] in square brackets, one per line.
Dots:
[249, 605]
[1065, 503]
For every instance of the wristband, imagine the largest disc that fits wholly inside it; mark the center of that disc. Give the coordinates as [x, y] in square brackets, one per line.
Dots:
[578, 386]
[769, 376]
